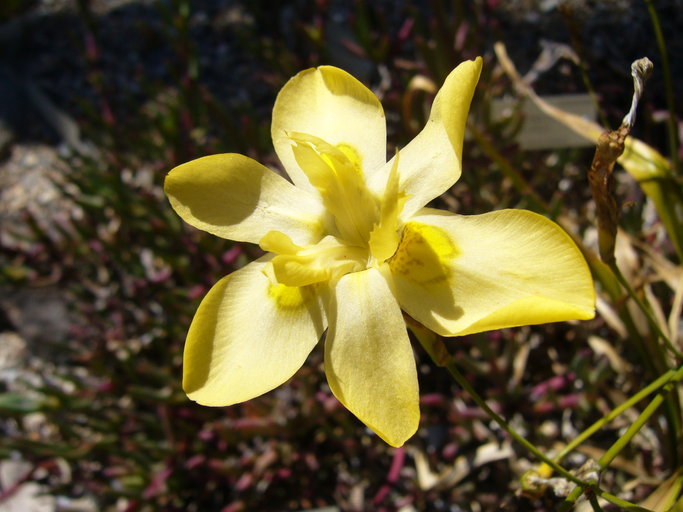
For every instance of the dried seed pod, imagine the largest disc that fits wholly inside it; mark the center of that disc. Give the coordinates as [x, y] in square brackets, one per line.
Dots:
[609, 147]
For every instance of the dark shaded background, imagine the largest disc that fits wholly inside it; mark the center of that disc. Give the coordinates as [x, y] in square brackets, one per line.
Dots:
[99, 280]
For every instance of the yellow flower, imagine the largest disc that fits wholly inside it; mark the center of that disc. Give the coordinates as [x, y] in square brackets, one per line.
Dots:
[351, 245]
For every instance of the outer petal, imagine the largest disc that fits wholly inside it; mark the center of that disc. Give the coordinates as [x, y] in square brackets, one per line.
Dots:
[368, 358]
[332, 105]
[248, 337]
[235, 197]
[501, 269]
[431, 162]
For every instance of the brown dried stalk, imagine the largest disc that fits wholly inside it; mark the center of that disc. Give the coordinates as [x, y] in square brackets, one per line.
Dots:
[609, 147]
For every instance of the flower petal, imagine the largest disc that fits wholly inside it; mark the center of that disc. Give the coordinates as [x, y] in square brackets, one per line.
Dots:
[463, 274]
[369, 362]
[235, 197]
[327, 260]
[384, 237]
[248, 337]
[332, 105]
[431, 162]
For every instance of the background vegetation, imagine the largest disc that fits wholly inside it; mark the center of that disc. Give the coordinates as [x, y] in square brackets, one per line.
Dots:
[99, 279]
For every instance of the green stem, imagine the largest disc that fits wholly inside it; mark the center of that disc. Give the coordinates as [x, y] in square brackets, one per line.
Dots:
[673, 406]
[627, 505]
[632, 430]
[462, 381]
[668, 87]
[646, 310]
[594, 503]
[620, 443]
[436, 352]
[670, 376]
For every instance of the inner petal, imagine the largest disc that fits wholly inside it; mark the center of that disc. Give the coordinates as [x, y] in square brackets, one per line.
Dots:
[327, 260]
[424, 255]
[336, 172]
[384, 237]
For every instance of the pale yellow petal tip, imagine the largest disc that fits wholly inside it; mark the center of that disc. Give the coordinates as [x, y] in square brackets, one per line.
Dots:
[207, 401]
[398, 437]
[473, 66]
[197, 390]
[477, 62]
[395, 426]
[588, 314]
[339, 82]
[528, 311]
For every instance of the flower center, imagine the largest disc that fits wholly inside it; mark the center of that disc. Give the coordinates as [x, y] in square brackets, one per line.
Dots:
[327, 260]
[336, 172]
[363, 230]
